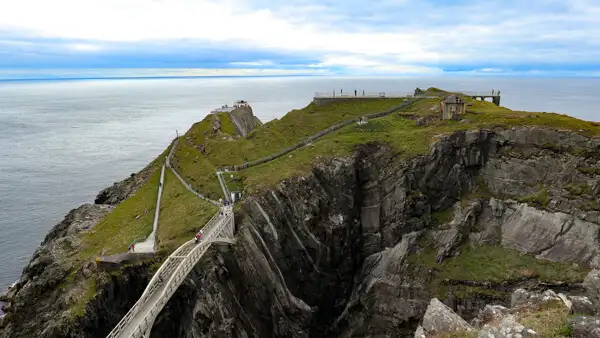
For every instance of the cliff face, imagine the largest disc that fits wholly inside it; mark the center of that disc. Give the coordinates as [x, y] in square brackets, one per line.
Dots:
[244, 120]
[332, 254]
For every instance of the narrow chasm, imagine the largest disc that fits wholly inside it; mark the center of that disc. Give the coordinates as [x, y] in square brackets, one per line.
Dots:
[360, 245]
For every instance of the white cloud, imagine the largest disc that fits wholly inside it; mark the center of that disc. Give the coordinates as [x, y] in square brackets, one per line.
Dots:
[261, 63]
[84, 47]
[385, 35]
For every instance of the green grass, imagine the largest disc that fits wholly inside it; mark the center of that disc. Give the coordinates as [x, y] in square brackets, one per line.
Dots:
[442, 216]
[589, 170]
[182, 214]
[293, 127]
[196, 169]
[456, 334]
[118, 229]
[539, 199]
[83, 298]
[234, 181]
[578, 189]
[404, 137]
[551, 320]
[501, 264]
[227, 125]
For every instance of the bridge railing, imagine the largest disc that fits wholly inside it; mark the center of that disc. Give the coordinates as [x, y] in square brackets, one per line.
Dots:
[183, 269]
[474, 93]
[155, 283]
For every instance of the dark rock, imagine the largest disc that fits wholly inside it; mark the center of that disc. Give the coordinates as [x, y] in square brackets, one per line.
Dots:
[591, 284]
[327, 254]
[585, 327]
[244, 120]
[581, 305]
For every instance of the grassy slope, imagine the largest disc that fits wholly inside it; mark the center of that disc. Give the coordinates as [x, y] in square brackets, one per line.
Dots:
[501, 264]
[403, 135]
[182, 214]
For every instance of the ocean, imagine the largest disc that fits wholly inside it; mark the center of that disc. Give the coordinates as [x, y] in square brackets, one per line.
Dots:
[61, 142]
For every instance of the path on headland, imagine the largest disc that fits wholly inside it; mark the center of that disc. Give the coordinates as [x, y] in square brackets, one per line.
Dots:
[319, 135]
[188, 186]
[138, 321]
[149, 245]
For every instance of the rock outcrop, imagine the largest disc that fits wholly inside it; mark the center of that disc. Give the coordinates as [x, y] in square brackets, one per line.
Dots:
[244, 120]
[330, 253]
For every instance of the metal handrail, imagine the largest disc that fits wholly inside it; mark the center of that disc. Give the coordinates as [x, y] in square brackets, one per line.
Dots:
[360, 94]
[177, 268]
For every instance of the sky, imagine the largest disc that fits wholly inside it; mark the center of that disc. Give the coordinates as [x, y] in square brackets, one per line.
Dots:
[90, 38]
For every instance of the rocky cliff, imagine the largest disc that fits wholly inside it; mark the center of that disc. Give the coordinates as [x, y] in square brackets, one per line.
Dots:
[360, 246]
[244, 120]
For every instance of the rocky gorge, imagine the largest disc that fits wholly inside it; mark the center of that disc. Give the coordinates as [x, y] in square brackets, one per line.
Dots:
[360, 246]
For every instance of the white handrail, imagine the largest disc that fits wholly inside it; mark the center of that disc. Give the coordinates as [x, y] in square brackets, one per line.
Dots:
[177, 268]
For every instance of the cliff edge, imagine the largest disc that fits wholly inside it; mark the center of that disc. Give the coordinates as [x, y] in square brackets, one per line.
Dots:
[350, 236]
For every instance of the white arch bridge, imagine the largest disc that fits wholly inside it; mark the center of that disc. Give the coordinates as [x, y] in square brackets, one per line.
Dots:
[137, 323]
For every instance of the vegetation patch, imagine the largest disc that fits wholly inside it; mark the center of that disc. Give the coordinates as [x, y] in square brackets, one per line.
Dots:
[539, 199]
[227, 125]
[130, 220]
[550, 320]
[442, 216]
[182, 214]
[501, 264]
[196, 170]
[589, 170]
[578, 189]
[83, 298]
[456, 334]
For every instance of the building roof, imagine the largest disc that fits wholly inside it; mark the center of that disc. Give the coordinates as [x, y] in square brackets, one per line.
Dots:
[453, 99]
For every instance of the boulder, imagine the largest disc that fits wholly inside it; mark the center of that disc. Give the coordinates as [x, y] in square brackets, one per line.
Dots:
[490, 313]
[420, 333]
[585, 327]
[581, 305]
[522, 297]
[592, 285]
[440, 318]
[508, 327]
[421, 122]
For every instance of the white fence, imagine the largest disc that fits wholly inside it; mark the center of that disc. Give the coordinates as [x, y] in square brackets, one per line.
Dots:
[361, 94]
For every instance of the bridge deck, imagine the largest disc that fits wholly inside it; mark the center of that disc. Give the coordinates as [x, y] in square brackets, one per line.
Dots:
[168, 278]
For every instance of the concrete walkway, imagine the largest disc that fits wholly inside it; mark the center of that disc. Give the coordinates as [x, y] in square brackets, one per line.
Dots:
[183, 182]
[223, 184]
[149, 245]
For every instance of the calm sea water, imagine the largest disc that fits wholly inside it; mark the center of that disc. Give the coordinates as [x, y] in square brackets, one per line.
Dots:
[63, 141]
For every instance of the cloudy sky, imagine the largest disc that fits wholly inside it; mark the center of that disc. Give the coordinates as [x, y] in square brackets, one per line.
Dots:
[278, 37]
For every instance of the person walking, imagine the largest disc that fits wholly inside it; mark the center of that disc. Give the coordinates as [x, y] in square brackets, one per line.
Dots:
[354, 92]
[341, 93]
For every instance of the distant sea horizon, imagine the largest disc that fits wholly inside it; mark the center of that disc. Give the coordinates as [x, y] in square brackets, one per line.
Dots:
[63, 140]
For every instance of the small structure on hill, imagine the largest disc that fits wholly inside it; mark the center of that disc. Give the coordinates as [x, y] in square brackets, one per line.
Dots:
[452, 105]
[227, 109]
[236, 196]
[241, 103]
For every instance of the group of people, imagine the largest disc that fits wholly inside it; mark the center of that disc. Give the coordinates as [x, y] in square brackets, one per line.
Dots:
[355, 92]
